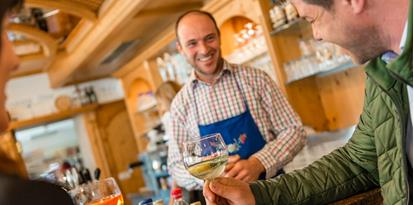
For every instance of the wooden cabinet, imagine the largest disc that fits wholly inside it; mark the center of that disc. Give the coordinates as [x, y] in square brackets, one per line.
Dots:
[10, 156]
[144, 79]
[113, 145]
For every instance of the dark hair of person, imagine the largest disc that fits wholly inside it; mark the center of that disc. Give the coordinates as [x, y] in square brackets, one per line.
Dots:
[323, 3]
[7, 6]
[209, 15]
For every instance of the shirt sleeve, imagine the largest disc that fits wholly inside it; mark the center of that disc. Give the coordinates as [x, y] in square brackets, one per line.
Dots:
[287, 136]
[175, 164]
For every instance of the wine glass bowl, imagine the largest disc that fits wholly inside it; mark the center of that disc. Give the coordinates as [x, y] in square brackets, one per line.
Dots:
[205, 158]
[102, 192]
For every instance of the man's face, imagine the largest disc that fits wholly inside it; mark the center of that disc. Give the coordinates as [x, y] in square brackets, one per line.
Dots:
[341, 25]
[199, 42]
[8, 62]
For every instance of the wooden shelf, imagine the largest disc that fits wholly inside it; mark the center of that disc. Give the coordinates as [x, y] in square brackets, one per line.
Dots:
[51, 117]
[335, 69]
[292, 25]
[246, 58]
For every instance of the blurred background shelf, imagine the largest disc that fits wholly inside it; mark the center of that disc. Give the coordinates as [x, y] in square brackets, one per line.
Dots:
[333, 70]
[292, 26]
[51, 118]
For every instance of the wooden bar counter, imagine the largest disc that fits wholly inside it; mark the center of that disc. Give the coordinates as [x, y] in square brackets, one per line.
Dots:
[372, 197]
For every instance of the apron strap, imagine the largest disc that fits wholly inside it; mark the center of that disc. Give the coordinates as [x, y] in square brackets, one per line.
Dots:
[245, 104]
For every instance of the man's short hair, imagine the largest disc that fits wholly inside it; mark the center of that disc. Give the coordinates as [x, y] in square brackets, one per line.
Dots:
[209, 15]
[323, 3]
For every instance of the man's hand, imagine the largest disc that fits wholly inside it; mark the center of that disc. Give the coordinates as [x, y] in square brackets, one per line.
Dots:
[245, 170]
[231, 161]
[227, 191]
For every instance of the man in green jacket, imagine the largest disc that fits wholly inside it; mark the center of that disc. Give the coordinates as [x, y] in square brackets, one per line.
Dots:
[379, 154]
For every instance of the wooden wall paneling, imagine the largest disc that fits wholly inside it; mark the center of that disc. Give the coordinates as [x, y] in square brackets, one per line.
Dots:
[306, 101]
[60, 25]
[98, 148]
[342, 96]
[288, 48]
[113, 144]
[147, 71]
[143, 79]
[77, 35]
[233, 8]
[119, 144]
[303, 95]
[167, 10]
[154, 75]
[140, 85]
[227, 31]
[10, 156]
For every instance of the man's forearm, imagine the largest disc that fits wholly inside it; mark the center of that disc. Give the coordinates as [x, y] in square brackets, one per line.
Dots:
[329, 179]
[281, 150]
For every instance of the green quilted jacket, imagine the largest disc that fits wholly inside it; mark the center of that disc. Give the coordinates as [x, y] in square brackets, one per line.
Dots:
[374, 156]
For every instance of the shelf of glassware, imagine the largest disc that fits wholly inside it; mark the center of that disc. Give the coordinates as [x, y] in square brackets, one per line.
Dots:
[322, 69]
[249, 52]
[295, 24]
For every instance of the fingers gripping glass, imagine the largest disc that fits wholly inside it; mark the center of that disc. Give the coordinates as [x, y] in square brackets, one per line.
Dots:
[205, 158]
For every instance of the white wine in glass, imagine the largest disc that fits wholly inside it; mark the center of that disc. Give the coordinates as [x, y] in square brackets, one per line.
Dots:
[205, 158]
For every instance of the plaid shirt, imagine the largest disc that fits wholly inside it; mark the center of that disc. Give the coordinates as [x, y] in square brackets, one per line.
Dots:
[276, 120]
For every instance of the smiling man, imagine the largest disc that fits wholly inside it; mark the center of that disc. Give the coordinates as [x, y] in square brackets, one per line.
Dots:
[241, 103]
[379, 154]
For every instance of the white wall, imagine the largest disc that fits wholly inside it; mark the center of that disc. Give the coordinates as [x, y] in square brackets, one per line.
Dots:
[48, 138]
[31, 96]
[84, 144]
[45, 142]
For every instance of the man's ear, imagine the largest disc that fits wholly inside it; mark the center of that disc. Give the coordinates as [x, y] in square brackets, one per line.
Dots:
[178, 46]
[357, 6]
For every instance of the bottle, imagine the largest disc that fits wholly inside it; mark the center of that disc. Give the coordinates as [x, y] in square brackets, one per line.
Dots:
[146, 202]
[196, 203]
[177, 196]
[94, 98]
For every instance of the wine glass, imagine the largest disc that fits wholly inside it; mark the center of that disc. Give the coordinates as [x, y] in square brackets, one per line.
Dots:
[205, 158]
[102, 192]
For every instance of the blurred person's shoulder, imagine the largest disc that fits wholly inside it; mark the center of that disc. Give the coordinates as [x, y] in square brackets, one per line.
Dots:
[17, 191]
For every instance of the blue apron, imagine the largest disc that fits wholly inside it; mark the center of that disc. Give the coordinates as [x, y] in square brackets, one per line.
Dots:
[240, 133]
